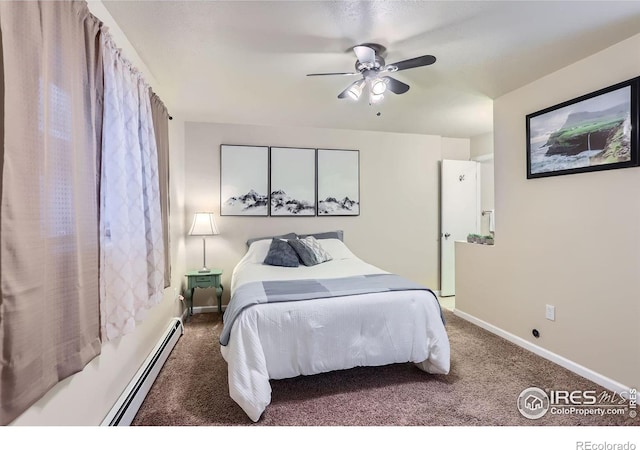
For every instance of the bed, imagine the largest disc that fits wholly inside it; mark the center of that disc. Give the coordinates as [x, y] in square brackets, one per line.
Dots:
[305, 334]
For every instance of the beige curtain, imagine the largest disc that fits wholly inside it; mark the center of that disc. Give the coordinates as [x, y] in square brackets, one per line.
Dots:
[49, 302]
[161, 130]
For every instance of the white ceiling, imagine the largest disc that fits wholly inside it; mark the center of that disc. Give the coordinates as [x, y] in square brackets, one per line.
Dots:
[246, 61]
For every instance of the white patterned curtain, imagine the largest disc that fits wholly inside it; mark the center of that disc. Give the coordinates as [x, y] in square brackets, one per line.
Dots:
[131, 238]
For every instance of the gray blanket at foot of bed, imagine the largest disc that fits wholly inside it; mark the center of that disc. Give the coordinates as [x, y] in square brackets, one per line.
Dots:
[259, 292]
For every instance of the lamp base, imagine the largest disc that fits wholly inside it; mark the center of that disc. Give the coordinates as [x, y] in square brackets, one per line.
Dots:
[204, 270]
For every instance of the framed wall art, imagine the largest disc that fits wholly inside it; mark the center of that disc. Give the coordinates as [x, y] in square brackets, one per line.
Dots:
[597, 131]
[338, 183]
[244, 180]
[293, 182]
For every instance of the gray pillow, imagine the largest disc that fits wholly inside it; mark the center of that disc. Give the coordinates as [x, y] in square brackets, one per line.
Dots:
[305, 253]
[338, 234]
[281, 254]
[283, 236]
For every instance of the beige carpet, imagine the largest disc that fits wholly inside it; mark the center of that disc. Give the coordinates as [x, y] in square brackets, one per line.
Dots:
[487, 375]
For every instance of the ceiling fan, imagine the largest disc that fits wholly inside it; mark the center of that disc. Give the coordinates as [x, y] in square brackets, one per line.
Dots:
[371, 65]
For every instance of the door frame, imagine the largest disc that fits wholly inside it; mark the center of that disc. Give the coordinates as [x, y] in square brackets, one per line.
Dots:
[478, 203]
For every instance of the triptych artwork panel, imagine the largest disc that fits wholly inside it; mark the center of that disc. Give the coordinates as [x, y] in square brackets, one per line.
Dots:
[288, 182]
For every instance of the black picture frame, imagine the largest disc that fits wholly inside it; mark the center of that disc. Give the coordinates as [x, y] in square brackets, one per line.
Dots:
[244, 180]
[594, 132]
[338, 183]
[292, 182]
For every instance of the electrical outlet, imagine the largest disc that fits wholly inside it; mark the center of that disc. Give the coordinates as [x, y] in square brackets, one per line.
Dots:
[550, 312]
[178, 295]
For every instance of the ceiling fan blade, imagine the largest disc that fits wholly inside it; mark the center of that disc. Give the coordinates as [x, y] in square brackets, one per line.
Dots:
[345, 93]
[396, 86]
[332, 73]
[420, 61]
[366, 55]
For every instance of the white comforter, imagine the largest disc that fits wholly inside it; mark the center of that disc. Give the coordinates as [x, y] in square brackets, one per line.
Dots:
[287, 339]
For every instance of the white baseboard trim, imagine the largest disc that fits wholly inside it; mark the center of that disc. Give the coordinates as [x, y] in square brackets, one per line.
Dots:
[207, 309]
[576, 368]
[124, 410]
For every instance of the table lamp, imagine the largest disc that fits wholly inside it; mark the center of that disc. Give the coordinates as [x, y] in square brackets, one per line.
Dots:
[203, 225]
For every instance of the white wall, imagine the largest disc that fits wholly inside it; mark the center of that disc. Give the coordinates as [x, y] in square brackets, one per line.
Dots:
[481, 145]
[456, 148]
[571, 241]
[482, 151]
[398, 227]
[86, 397]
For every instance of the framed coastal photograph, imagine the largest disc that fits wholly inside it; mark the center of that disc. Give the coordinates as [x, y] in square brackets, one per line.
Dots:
[244, 180]
[597, 131]
[338, 182]
[293, 182]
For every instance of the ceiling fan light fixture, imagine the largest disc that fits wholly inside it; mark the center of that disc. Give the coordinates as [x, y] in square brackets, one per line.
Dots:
[371, 66]
[355, 90]
[375, 98]
[378, 86]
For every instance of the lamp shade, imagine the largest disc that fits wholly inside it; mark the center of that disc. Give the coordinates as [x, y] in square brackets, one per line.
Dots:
[203, 225]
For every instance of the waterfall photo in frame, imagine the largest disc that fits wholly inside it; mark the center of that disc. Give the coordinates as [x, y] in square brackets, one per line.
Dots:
[597, 131]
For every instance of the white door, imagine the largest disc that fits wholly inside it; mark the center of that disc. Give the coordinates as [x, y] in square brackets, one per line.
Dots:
[460, 215]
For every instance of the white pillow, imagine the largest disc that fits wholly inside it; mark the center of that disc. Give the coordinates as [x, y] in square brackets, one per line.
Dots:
[258, 251]
[337, 249]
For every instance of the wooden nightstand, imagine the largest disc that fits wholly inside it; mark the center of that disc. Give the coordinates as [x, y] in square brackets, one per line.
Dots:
[210, 279]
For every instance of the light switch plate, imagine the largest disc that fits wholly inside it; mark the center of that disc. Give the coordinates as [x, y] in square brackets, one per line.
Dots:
[550, 312]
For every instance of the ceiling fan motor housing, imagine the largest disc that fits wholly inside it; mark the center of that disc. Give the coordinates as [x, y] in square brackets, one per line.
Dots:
[379, 63]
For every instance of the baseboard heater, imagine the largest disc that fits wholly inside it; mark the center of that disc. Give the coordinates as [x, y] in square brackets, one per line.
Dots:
[127, 406]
